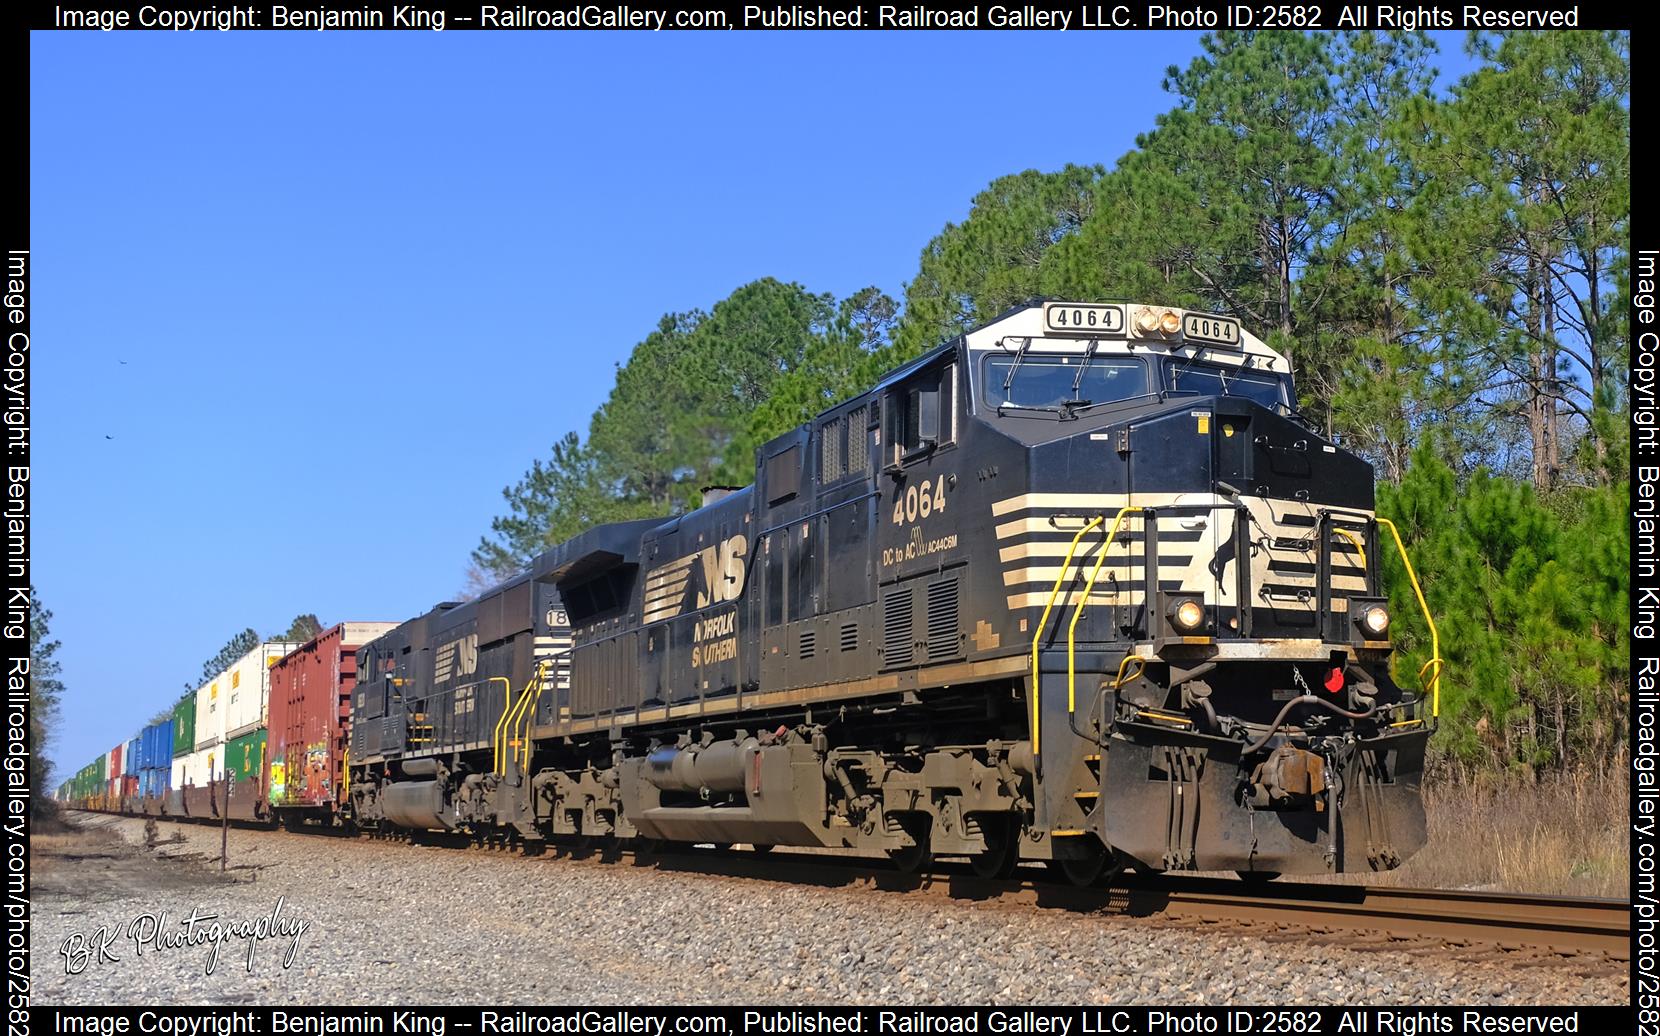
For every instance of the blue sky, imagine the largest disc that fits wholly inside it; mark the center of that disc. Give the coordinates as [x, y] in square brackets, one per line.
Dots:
[304, 303]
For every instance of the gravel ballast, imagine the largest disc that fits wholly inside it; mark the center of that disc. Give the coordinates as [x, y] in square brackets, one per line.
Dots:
[412, 925]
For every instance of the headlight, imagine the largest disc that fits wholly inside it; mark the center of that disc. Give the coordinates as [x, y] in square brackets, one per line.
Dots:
[1146, 320]
[1171, 322]
[1187, 616]
[1374, 622]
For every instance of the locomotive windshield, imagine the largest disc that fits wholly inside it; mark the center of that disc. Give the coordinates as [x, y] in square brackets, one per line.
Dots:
[1208, 380]
[1049, 382]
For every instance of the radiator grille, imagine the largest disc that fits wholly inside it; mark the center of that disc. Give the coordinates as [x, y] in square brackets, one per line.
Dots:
[897, 642]
[809, 643]
[850, 636]
[942, 619]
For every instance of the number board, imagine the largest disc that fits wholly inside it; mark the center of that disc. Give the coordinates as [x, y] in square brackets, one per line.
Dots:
[1081, 318]
[1202, 327]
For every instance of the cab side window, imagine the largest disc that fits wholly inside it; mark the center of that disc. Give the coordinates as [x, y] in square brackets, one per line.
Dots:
[921, 414]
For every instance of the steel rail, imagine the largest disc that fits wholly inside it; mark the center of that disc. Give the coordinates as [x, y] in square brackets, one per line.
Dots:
[1566, 925]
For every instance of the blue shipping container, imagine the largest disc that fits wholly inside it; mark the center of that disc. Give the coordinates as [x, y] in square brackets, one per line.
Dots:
[155, 747]
[155, 781]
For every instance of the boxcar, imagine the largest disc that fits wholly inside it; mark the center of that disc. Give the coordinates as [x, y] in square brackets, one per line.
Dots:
[308, 713]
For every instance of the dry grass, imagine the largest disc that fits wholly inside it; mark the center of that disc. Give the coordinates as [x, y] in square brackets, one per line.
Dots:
[1565, 834]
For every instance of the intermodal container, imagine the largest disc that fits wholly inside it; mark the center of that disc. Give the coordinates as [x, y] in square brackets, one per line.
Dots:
[155, 746]
[197, 769]
[245, 760]
[310, 705]
[155, 781]
[184, 726]
[112, 786]
[233, 703]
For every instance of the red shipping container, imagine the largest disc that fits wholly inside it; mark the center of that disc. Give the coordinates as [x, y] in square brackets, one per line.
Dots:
[307, 717]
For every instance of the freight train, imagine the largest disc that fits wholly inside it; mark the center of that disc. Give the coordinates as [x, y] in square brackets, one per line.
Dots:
[1079, 586]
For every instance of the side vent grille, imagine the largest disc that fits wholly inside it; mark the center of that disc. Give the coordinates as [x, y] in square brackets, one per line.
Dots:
[850, 636]
[897, 643]
[858, 444]
[809, 643]
[942, 619]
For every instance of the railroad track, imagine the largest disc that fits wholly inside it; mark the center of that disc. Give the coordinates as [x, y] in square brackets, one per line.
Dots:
[1562, 925]
[1505, 920]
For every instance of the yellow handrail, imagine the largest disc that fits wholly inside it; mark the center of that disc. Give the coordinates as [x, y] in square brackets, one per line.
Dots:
[518, 710]
[1037, 743]
[539, 678]
[496, 741]
[1141, 667]
[1360, 545]
[1078, 611]
[1435, 660]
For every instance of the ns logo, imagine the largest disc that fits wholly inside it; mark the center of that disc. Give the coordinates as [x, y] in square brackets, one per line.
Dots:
[723, 571]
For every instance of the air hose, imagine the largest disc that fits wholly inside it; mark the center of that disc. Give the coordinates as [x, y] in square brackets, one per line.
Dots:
[1307, 699]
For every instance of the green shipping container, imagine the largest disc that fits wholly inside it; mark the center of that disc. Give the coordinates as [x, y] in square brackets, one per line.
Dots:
[245, 757]
[184, 726]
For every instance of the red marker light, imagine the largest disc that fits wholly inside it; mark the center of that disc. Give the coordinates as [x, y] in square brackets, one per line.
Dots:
[1334, 682]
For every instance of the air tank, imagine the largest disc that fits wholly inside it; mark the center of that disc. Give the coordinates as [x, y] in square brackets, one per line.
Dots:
[719, 767]
[415, 804]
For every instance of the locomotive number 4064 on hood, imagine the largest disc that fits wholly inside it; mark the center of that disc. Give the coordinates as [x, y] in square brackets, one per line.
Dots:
[919, 501]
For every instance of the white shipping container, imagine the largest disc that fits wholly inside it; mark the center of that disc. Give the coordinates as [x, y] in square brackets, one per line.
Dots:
[250, 687]
[198, 768]
[210, 713]
[234, 702]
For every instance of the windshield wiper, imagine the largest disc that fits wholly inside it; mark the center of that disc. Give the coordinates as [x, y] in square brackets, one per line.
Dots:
[1019, 354]
[1078, 379]
[1176, 374]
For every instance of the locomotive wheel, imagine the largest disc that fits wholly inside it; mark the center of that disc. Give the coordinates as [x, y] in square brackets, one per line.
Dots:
[916, 857]
[1002, 849]
[762, 848]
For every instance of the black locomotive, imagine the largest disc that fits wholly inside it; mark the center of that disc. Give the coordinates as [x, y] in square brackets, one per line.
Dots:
[1077, 586]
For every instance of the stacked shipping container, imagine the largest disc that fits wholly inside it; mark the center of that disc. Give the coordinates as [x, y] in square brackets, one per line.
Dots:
[155, 747]
[116, 773]
[129, 780]
[221, 729]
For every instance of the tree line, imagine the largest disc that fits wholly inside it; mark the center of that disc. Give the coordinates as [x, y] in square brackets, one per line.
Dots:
[1448, 273]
